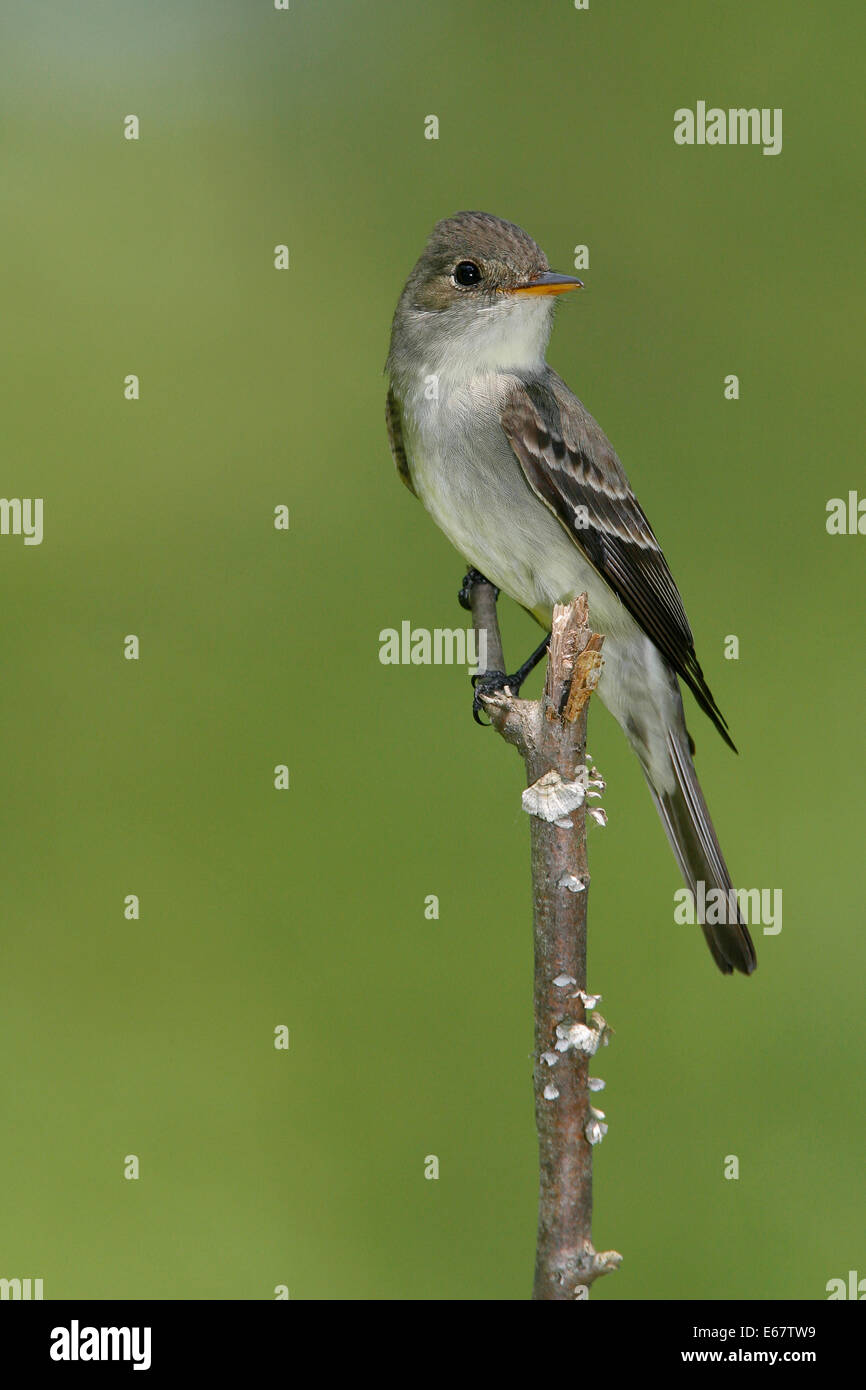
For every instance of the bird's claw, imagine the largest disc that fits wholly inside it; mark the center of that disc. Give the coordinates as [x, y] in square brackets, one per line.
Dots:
[488, 683]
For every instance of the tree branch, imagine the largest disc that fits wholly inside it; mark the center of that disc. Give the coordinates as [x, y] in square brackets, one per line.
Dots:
[550, 735]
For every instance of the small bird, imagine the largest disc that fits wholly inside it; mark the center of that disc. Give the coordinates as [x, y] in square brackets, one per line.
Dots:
[523, 481]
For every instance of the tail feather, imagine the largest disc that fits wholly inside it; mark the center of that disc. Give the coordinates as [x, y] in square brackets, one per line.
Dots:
[690, 831]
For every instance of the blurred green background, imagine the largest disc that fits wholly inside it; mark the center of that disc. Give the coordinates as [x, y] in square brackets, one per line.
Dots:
[409, 1037]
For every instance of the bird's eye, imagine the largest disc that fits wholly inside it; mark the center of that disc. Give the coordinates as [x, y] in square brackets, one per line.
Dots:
[466, 273]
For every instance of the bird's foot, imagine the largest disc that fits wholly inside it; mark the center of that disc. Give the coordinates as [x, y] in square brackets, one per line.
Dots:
[489, 683]
[493, 683]
[497, 683]
[470, 579]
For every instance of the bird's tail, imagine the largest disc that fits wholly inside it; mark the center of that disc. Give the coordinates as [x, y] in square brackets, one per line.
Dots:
[687, 822]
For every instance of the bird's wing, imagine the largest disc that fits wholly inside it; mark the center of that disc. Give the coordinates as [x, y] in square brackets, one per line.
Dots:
[395, 438]
[571, 466]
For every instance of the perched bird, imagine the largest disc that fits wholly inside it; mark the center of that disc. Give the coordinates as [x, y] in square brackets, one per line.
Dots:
[525, 484]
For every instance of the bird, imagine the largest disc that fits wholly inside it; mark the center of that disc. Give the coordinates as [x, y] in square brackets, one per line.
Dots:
[525, 484]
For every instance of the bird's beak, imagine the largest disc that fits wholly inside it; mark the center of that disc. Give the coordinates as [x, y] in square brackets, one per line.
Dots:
[549, 283]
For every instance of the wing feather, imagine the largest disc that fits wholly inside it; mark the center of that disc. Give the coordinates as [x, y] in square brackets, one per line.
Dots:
[395, 438]
[571, 466]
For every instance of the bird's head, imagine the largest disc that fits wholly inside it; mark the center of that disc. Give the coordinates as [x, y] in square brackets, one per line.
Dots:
[481, 296]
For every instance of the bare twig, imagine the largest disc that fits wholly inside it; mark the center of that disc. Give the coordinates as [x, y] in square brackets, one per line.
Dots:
[550, 735]
[482, 598]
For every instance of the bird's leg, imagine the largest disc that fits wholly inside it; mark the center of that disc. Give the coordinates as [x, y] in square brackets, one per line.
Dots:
[516, 681]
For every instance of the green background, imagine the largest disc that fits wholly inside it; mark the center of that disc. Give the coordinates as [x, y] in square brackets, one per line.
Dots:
[306, 908]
